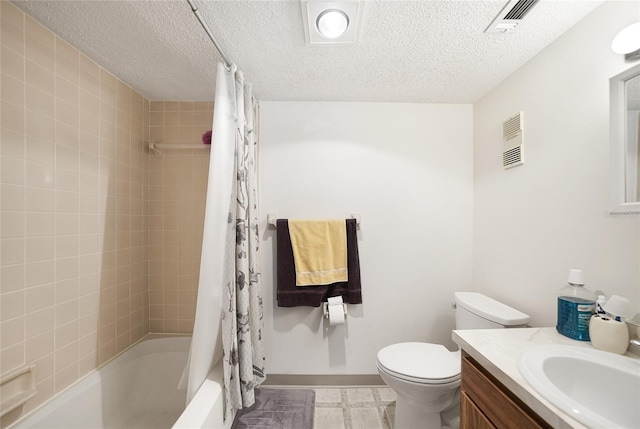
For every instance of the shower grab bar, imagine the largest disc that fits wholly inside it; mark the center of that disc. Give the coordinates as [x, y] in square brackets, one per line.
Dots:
[272, 219]
[156, 147]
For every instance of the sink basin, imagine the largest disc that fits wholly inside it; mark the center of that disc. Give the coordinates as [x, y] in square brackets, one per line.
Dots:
[596, 388]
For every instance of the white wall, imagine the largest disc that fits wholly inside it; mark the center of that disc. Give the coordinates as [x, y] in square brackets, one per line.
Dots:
[407, 169]
[534, 222]
[633, 154]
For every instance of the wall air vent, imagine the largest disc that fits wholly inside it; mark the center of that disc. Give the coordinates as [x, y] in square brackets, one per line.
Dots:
[510, 16]
[513, 139]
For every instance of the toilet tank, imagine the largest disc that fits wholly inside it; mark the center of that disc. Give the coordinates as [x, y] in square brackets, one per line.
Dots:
[477, 311]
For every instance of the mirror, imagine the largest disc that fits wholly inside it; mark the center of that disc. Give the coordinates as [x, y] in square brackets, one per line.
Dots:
[625, 141]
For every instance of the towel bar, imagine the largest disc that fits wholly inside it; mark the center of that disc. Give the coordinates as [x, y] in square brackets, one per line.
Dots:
[272, 219]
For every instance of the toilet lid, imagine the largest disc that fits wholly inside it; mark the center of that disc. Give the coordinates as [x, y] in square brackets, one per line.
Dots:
[421, 362]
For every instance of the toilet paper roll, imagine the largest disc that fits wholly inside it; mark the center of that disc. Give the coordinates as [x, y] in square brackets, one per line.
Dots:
[336, 315]
[336, 311]
[608, 334]
[334, 300]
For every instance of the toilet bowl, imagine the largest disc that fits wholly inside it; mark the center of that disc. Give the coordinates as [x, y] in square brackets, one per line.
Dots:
[425, 378]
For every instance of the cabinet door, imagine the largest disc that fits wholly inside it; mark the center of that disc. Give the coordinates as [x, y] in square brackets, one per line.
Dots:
[497, 403]
[470, 415]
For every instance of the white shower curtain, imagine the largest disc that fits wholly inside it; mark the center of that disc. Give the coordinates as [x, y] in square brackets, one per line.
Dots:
[229, 306]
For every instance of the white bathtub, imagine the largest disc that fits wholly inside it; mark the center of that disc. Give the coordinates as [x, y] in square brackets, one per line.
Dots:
[138, 389]
[206, 409]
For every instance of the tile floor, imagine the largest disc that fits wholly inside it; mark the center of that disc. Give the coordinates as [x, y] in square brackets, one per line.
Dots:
[354, 408]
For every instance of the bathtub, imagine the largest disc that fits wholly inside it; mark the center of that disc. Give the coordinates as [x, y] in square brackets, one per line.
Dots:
[138, 389]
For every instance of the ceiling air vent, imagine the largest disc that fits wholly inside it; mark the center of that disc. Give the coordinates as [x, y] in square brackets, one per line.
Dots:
[512, 135]
[510, 16]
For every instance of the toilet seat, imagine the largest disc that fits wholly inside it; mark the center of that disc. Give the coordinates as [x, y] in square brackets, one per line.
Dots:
[422, 363]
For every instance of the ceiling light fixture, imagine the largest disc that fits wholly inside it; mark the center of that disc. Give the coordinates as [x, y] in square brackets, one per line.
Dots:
[627, 41]
[332, 23]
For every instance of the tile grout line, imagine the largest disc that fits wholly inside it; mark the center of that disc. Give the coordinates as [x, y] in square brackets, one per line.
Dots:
[345, 409]
[375, 406]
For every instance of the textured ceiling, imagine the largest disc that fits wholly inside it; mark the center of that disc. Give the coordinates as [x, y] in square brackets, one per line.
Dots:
[409, 51]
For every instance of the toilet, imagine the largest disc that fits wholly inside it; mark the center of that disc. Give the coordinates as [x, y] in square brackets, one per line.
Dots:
[426, 376]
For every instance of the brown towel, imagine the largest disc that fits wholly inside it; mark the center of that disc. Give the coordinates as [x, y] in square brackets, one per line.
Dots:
[289, 295]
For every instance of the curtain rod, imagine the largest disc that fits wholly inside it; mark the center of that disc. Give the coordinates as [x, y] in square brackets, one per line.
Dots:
[196, 12]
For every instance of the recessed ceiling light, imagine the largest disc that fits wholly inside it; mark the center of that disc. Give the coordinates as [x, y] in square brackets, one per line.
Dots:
[332, 23]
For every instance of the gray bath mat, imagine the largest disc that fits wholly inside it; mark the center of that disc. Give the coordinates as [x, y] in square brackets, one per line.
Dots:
[278, 409]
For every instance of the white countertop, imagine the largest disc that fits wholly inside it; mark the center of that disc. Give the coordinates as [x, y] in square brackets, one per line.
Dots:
[498, 350]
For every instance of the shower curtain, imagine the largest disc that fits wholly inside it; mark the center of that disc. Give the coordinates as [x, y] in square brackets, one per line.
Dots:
[229, 312]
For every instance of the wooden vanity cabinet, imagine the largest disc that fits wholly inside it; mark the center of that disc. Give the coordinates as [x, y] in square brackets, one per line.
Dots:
[486, 404]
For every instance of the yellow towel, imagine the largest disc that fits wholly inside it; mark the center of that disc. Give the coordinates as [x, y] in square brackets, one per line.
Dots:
[319, 251]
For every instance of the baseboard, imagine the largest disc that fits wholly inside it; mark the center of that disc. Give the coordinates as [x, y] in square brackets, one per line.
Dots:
[325, 380]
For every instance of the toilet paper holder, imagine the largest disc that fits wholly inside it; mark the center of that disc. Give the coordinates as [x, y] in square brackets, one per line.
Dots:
[325, 309]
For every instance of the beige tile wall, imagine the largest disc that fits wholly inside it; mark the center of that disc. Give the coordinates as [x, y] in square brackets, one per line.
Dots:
[73, 201]
[177, 194]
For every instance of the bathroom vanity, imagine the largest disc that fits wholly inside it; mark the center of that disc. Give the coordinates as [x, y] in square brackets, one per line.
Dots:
[485, 403]
[493, 392]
